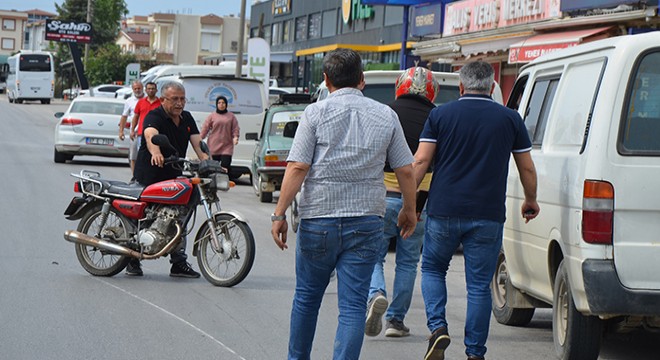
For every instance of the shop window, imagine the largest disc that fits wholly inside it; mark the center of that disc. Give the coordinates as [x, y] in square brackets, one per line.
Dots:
[314, 29]
[301, 28]
[329, 23]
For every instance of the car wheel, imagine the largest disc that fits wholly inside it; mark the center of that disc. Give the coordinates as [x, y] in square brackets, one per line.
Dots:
[264, 196]
[576, 336]
[505, 314]
[61, 158]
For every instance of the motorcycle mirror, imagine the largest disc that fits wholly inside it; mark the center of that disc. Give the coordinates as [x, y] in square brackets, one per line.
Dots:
[205, 147]
[290, 129]
[160, 140]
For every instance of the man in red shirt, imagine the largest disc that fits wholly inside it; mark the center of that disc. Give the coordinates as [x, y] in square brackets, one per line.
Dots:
[142, 108]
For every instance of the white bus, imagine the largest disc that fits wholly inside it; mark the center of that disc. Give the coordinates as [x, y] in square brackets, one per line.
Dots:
[31, 77]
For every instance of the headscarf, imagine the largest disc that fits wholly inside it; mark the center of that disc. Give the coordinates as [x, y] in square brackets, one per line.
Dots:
[226, 105]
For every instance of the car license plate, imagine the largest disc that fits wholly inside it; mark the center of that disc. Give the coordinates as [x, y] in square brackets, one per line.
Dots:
[100, 141]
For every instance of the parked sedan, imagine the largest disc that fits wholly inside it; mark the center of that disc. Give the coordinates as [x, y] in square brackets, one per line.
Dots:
[90, 127]
[106, 90]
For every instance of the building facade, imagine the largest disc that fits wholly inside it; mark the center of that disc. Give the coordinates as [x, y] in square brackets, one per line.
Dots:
[511, 33]
[302, 32]
[12, 28]
[35, 30]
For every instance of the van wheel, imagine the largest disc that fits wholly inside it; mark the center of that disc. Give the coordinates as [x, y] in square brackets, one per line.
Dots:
[19, 101]
[575, 335]
[504, 314]
[45, 101]
[11, 101]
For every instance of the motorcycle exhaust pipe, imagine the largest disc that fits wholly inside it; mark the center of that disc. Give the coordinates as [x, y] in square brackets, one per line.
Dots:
[84, 239]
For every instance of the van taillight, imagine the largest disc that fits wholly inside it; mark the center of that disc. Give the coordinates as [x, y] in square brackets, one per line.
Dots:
[597, 212]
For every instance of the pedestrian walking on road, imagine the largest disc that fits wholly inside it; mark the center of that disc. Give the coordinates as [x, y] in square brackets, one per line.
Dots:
[129, 113]
[223, 132]
[470, 142]
[337, 156]
[415, 90]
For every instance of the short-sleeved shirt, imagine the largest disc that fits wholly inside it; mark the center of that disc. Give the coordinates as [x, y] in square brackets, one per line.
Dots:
[142, 108]
[474, 138]
[179, 136]
[346, 140]
[129, 107]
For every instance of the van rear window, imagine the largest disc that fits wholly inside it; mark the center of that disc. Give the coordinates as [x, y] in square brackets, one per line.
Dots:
[384, 93]
[640, 133]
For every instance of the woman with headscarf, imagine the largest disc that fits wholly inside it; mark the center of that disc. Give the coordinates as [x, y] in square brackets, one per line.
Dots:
[222, 130]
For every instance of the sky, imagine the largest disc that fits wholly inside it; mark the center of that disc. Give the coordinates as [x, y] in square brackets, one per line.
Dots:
[146, 7]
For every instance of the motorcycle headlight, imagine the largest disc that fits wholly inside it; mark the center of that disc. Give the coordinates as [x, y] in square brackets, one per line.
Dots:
[220, 181]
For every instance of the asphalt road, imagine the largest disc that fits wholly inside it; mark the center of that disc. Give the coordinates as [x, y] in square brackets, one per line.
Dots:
[50, 308]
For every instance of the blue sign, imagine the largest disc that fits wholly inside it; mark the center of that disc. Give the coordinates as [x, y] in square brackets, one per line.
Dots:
[426, 20]
[598, 4]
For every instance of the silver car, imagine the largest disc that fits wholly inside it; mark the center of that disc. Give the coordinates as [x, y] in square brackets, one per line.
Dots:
[90, 127]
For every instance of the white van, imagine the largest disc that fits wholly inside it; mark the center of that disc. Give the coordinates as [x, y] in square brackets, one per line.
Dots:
[593, 115]
[379, 85]
[151, 75]
[246, 99]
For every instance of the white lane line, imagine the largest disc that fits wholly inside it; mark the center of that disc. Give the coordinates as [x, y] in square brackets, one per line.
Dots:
[172, 315]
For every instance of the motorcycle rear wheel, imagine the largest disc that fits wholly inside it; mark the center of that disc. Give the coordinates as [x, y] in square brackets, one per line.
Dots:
[226, 268]
[96, 261]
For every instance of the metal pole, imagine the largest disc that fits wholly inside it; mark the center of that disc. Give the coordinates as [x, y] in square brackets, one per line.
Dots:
[404, 37]
[241, 39]
[89, 20]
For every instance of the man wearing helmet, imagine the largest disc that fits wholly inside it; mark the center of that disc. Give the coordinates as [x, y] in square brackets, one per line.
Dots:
[415, 90]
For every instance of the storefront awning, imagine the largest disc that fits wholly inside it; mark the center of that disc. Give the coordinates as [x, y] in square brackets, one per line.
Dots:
[535, 46]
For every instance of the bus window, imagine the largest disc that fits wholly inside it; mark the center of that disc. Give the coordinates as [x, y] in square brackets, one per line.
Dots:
[35, 63]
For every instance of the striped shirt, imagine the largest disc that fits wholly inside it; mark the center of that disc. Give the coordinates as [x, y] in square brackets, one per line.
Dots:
[346, 140]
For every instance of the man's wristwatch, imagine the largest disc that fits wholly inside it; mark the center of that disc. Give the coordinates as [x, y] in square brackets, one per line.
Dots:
[274, 217]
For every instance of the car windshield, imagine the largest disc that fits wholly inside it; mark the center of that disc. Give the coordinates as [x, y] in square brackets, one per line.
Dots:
[89, 107]
[280, 119]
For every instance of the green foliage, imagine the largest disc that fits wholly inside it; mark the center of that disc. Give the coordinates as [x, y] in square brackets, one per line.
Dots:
[107, 64]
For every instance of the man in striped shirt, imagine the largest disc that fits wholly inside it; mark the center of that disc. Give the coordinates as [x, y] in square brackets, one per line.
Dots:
[337, 156]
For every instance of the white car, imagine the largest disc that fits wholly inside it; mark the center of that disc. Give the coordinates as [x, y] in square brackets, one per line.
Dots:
[106, 90]
[90, 127]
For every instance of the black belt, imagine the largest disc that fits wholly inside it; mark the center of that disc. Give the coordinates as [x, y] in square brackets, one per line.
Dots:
[393, 194]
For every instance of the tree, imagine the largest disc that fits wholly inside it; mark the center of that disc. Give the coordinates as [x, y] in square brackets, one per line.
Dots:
[107, 64]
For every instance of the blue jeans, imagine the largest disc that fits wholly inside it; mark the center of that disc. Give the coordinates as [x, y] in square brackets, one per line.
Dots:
[407, 257]
[481, 241]
[351, 246]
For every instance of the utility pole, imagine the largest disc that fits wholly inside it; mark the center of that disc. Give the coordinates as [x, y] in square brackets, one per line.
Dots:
[241, 40]
[89, 21]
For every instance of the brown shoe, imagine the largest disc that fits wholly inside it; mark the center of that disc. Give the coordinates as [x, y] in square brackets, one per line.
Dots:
[438, 343]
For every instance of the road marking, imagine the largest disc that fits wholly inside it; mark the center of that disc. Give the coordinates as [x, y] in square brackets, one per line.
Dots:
[172, 315]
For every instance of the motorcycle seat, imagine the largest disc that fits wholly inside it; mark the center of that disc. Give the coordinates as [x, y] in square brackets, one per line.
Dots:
[132, 190]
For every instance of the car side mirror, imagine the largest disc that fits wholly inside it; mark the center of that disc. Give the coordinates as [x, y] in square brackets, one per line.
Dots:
[290, 129]
[252, 136]
[59, 114]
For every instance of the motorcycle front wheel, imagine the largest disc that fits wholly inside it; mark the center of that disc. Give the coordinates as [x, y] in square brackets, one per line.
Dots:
[97, 261]
[232, 263]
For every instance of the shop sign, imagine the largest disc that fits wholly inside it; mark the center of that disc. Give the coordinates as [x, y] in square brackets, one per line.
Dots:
[353, 10]
[68, 31]
[529, 53]
[426, 20]
[281, 7]
[468, 16]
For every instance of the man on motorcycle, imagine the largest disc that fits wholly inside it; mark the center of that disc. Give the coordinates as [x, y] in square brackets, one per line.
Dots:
[180, 128]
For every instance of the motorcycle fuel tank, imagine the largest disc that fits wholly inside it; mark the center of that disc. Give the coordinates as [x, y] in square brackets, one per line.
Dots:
[176, 191]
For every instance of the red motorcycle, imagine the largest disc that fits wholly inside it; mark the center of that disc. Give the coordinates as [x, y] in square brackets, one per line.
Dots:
[120, 221]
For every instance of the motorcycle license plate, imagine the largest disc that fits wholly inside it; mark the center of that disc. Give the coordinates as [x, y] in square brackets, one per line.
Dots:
[100, 141]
